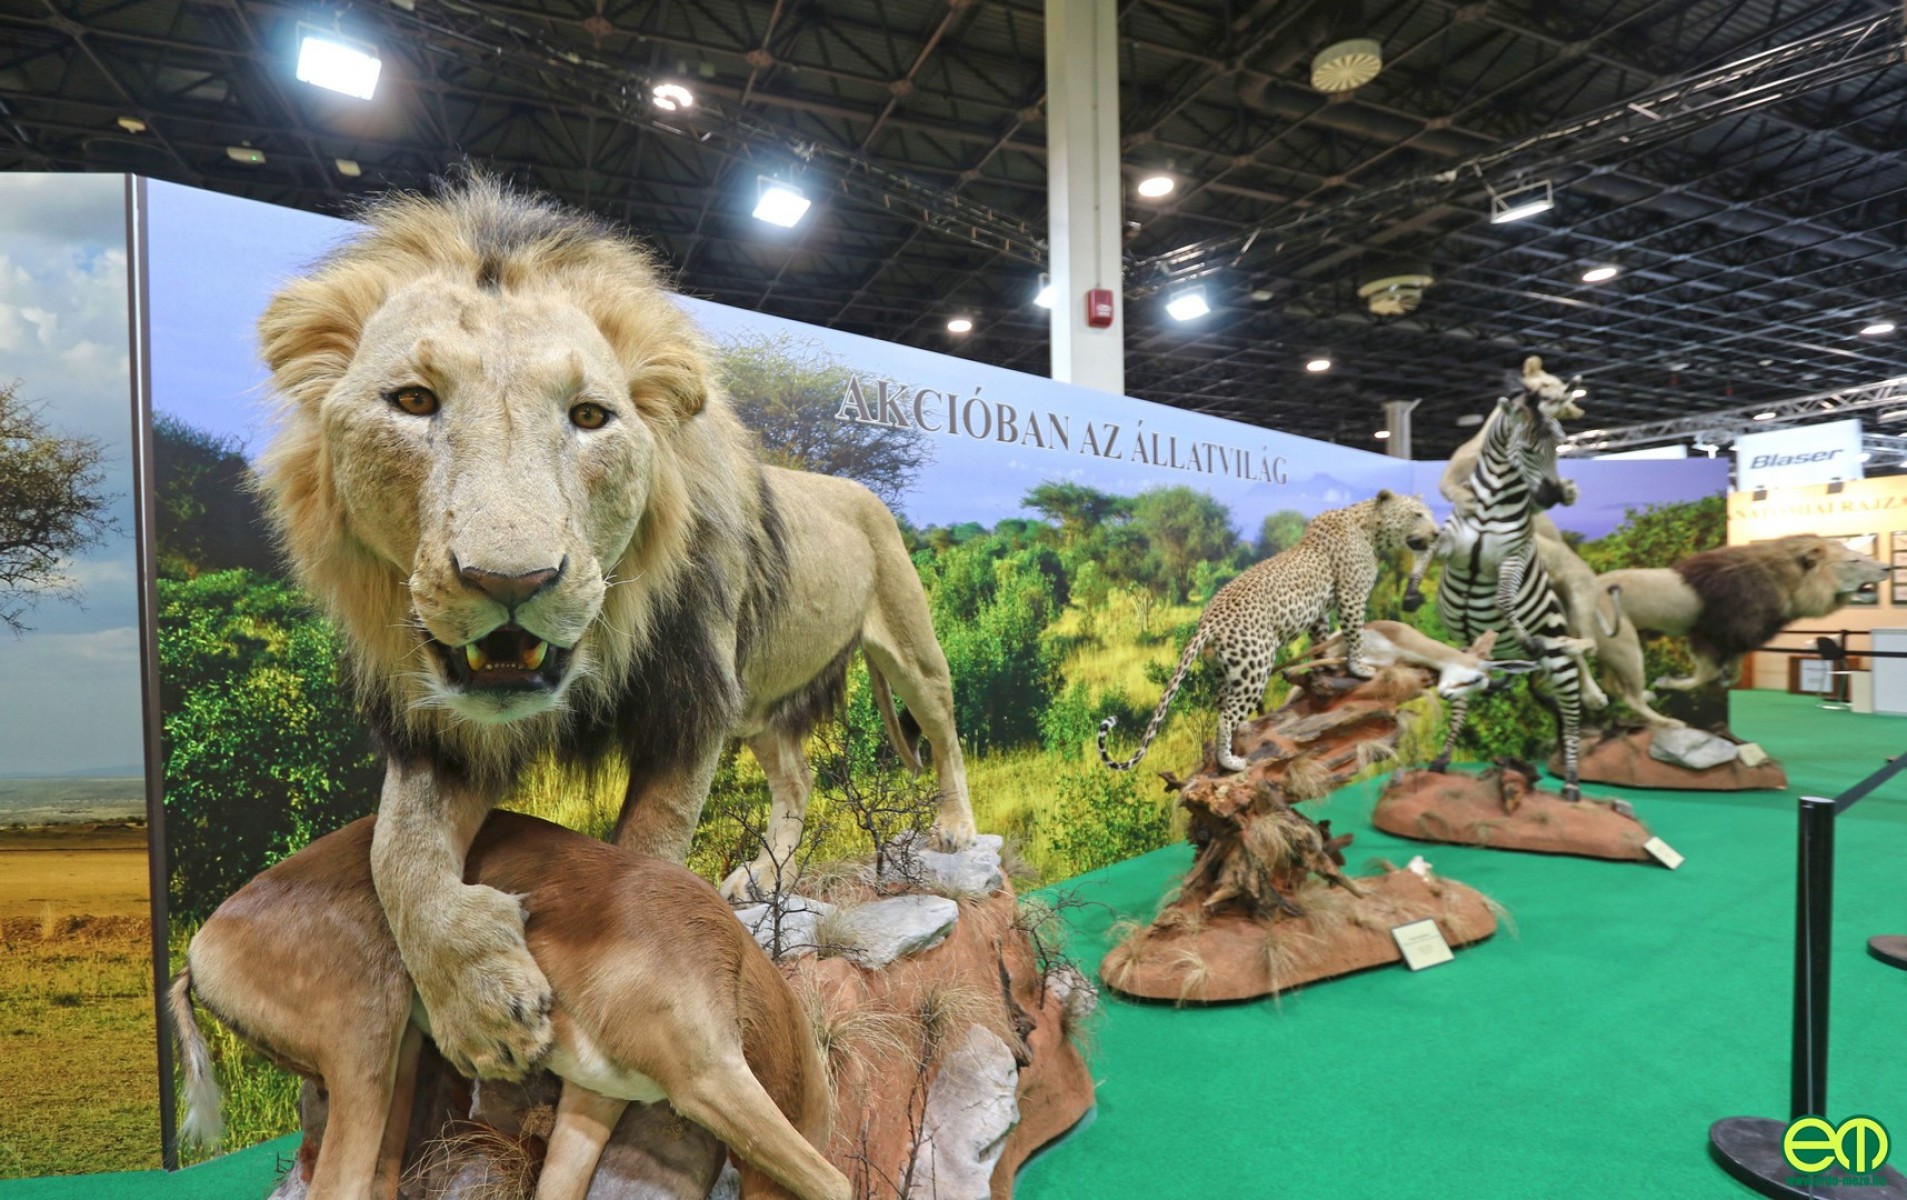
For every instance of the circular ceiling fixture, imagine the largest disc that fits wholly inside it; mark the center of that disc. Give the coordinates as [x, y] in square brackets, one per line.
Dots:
[1345, 65]
[1395, 295]
[1601, 274]
[1318, 364]
[1152, 187]
[1878, 328]
[960, 325]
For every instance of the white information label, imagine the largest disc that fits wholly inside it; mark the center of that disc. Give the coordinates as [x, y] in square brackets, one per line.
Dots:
[1422, 945]
[1663, 853]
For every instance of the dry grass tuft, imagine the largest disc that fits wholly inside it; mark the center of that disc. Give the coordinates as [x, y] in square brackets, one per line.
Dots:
[846, 1029]
[1195, 971]
[483, 1163]
[945, 1009]
[1501, 912]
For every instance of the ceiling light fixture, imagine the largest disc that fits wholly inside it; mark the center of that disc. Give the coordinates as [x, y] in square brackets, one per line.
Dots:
[1347, 65]
[246, 155]
[337, 63]
[1602, 274]
[1878, 328]
[1521, 202]
[1318, 364]
[132, 124]
[1468, 420]
[348, 167]
[1764, 416]
[1153, 187]
[1188, 305]
[1578, 393]
[1892, 415]
[1044, 296]
[670, 96]
[960, 325]
[1382, 434]
[780, 204]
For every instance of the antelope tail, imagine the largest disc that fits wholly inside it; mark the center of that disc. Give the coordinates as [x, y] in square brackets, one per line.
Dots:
[1158, 715]
[203, 1124]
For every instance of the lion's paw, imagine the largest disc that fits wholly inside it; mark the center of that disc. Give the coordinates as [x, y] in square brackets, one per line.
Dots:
[487, 1001]
[751, 883]
[951, 834]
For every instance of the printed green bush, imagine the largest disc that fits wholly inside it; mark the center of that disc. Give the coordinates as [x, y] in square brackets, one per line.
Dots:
[1103, 817]
[263, 750]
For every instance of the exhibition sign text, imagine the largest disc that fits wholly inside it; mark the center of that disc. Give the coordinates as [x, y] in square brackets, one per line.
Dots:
[950, 414]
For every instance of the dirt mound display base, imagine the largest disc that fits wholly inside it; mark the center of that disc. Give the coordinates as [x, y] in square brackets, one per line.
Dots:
[1187, 957]
[1502, 809]
[1621, 758]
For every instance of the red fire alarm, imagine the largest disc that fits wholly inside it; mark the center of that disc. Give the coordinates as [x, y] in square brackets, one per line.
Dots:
[1099, 308]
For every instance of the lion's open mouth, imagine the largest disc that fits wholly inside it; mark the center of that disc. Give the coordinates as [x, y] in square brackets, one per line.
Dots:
[507, 657]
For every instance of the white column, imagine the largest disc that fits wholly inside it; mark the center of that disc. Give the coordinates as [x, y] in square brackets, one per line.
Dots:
[1397, 420]
[1085, 195]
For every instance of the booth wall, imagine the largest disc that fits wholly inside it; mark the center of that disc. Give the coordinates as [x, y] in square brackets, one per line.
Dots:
[78, 1089]
[1067, 539]
[1871, 514]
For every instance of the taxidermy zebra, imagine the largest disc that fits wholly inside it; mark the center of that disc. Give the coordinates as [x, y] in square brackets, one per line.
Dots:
[1493, 578]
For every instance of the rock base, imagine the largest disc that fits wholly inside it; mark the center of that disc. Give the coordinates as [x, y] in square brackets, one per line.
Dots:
[1622, 758]
[1188, 957]
[1502, 809]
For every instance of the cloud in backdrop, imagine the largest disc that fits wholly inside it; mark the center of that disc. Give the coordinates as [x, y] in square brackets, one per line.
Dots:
[71, 700]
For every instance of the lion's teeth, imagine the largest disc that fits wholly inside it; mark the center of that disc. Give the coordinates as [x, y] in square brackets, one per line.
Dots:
[533, 658]
[474, 656]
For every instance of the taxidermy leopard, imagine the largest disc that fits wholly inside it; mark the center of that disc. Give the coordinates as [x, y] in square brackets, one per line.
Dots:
[1333, 566]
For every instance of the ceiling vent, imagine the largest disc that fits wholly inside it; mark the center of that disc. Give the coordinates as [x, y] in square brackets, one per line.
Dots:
[1345, 65]
[1395, 295]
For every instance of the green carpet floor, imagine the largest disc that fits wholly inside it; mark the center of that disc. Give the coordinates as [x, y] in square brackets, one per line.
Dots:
[1582, 1056]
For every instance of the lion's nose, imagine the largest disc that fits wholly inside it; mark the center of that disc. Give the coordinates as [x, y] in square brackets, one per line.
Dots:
[512, 590]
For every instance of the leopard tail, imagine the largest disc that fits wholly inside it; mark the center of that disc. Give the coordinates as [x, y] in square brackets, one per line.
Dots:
[1192, 649]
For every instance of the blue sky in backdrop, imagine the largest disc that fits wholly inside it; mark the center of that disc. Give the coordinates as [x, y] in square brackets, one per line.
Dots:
[71, 699]
[215, 261]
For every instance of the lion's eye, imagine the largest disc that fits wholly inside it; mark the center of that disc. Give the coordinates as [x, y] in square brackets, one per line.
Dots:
[417, 401]
[589, 416]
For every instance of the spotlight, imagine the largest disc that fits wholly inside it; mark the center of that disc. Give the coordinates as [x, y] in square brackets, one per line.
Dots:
[1764, 416]
[246, 155]
[1578, 393]
[348, 167]
[132, 124]
[1878, 328]
[1044, 297]
[780, 204]
[1187, 306]
[1602, 274]
[670, 96]
[1469, 419]
[328, 61]
[1518, 203]
[1318, 364]
[960, 325]
[1382, 435]
[1152, 187]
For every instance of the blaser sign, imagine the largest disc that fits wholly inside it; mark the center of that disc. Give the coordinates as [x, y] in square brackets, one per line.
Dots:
[1802, 455]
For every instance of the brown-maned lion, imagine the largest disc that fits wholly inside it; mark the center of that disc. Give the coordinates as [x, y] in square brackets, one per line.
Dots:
[507, 468]
[1727, 602]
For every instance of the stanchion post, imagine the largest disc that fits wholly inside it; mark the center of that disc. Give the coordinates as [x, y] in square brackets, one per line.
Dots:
[1814, 925]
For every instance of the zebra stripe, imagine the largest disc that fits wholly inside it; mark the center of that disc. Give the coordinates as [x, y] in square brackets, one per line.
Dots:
[1493, 578]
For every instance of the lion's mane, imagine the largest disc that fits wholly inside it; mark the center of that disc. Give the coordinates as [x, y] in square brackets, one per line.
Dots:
[1749, 593]
[694, 583]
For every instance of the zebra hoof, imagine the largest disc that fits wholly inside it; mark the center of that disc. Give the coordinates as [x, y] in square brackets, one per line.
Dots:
[1440, 765]
[1572, 793]
[1413, 601]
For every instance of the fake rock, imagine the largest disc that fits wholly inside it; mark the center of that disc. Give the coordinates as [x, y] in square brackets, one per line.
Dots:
[799, 918]
[974, 871]
[971, 1108]
[876, 933]
[1692, 748]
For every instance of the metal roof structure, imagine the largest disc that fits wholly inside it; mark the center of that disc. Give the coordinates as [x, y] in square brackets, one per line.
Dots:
[1740, 161]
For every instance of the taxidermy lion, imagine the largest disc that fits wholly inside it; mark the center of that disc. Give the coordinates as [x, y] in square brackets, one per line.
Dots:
[507, 468]
[1727, 602]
